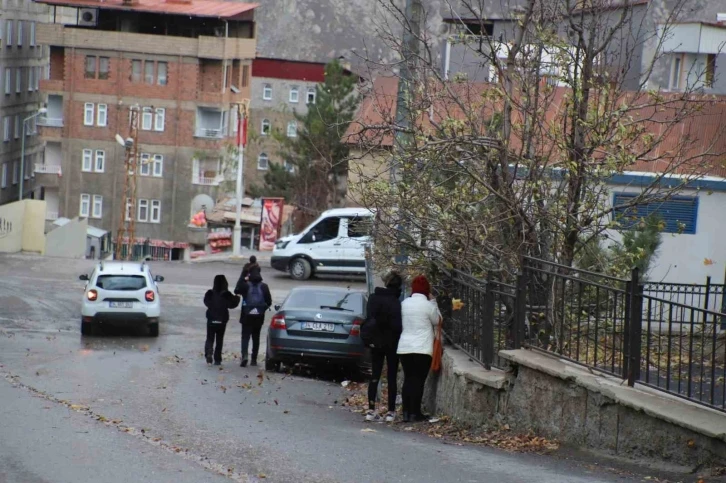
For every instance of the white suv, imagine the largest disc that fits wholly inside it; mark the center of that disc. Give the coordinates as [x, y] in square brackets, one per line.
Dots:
[121, 293]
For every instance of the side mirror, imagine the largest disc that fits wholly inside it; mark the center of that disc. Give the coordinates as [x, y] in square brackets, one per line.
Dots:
[277, 307]
[158, 278]
[83, 277]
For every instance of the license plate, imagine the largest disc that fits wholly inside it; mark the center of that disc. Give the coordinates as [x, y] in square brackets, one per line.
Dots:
[121, 305]
[318, 326]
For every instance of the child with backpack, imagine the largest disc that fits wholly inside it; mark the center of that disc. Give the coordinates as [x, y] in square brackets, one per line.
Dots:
[257, 300]
[218, 302]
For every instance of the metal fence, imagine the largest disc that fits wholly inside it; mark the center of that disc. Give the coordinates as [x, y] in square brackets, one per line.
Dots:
[666, 336]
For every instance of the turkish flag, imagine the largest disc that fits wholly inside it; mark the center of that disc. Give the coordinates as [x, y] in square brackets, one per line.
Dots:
[241, 131]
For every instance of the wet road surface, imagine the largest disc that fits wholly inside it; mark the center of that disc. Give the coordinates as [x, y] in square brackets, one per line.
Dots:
[125, 407]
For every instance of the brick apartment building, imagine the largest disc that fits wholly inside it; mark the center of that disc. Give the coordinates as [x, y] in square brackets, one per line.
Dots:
[184, 63]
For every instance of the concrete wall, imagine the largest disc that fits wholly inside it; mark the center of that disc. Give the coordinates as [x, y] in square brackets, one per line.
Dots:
[67, 241]
[28, 226]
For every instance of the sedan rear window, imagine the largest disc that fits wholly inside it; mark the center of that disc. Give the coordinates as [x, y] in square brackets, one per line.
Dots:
[344, 301]
[121, 282]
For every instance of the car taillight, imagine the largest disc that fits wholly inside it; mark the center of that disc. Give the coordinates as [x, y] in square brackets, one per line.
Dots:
[278, 322]
[149, 296]
[355, 330]
[92, 295]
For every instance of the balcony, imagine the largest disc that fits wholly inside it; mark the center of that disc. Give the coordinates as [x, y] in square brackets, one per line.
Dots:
[51, 215]
[50, 121]
[47, 169]
[210, 133]
[693, 38]
[204, 181]
[47, 175]
[201, 47]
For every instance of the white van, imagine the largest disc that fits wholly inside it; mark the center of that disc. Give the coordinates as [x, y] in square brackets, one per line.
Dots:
[334, 243]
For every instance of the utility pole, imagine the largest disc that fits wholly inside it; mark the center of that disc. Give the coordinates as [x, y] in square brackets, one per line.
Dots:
[242, 113]
[40, 112]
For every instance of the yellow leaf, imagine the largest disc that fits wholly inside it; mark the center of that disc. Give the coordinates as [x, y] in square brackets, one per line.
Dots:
[708, 261]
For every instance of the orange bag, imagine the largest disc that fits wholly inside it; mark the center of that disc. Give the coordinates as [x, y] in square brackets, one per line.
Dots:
[438, 348]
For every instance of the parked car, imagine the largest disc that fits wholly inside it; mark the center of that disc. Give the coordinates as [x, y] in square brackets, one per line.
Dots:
[334, 243]
[121, 293]
[316, 325]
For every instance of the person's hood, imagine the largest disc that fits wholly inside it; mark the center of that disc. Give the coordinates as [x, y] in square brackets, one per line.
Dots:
[388, 292]
[220, 283]
[255, 277]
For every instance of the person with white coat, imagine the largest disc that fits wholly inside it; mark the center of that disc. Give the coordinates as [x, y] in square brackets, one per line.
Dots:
[419, 316]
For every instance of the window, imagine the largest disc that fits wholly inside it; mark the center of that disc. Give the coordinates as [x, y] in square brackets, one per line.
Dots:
[9, 33]
[20, 33]
[100, 160]
[311, 95]
[143, 211]
[263, 162]
[158, 165]
[16, 171]
[676, 73]
[85, 205]
[146, 119]
[88, 114]
[678, 214]
[265, 129]
[136, 71]
[26, 167]
[104, 66]
[87, 160]
[8, 80]
[327, 229]
[161, 73]
[102, 115]
[17, 126]
[710, 69]
[149, 72]
[292, 129]
[31, 82]
[289, 167]
[129, 209]
[245, 75]
[145, 168]
[18, 80]
[155, 211]
[159, 120]
[267, 92]
[31, 40]
[294, 94]
[38, 73]
[90, 67]
[6, 129]
[4, 176]
[97, 206]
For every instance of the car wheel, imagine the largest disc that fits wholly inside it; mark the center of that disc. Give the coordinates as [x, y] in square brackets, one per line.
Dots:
[154, 329]
[300, 269]
[86, 328]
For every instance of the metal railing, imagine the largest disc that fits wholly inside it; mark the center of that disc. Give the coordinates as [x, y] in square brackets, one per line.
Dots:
[200, 180]
[51, 215]
[210, 133]
[50, 121]
[47, 168]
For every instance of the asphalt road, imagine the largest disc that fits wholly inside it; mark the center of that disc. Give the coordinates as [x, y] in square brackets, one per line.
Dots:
[126, 407]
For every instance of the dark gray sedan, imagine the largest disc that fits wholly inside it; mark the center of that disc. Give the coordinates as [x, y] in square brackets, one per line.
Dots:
[316, 325]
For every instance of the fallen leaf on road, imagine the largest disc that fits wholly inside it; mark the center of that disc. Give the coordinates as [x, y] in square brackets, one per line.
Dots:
[368, 430]
[262, 475]
[276, 403]
[286, 412]
[224, 389]
[144, 348]
[163, 410]
[434, 420]
[78, 407]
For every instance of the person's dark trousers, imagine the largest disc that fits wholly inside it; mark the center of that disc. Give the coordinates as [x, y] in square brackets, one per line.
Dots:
[415, 371]
[251, 327]
[377, 358]
[214, 331]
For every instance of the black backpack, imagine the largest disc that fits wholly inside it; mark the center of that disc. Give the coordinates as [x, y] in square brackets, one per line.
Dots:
[255, 300]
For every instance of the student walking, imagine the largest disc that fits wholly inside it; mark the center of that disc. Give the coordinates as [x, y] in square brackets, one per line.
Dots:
[384, 317]
[249, 268]
[257, 300]
[218, 302]
[419, 316]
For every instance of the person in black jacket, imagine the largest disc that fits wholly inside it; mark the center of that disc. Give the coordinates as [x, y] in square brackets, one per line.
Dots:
[249, 268]
[384, 306]
[257, 299]
[218, 301]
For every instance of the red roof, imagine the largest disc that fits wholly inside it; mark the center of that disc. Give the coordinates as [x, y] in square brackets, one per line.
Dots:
[288, 69]
[194, 8]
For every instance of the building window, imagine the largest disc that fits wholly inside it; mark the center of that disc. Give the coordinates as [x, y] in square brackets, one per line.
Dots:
[161, 73]
[678, 214]
[18, 80]
[149, 72]
[6, 129]
[143, 211]
[26, 168]
[265, 129]
[16, 172]
[4, 176]
[97, 206]
[90, 67]
[292, 129]
[31, 80]
[20, 33]
[9, 33]
[710, 69]
[146, 119]
[85, 205]
[104, 67]
[38, 73]
[311, 95]
[158, 165]
[289, 167]
[8, 81]
[129, 209]
[136, 71]
[263, 162]
[676, 73]
[87, 163]
[245, 75]
[17, 126]
[155, 211]
[145, 167]
[88, 114]
[31, 40]
[294, 94]
[159, 120]
[100, 160]
[102, 115]
[267, 92]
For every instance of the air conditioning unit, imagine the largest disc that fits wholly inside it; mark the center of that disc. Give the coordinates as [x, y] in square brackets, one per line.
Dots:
[87, 17]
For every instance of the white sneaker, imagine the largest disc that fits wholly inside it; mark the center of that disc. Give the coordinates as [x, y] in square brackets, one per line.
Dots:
[390, 417]
[372, 416]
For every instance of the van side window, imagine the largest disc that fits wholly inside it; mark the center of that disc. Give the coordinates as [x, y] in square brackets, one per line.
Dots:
[359, 227]
[326, 230]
